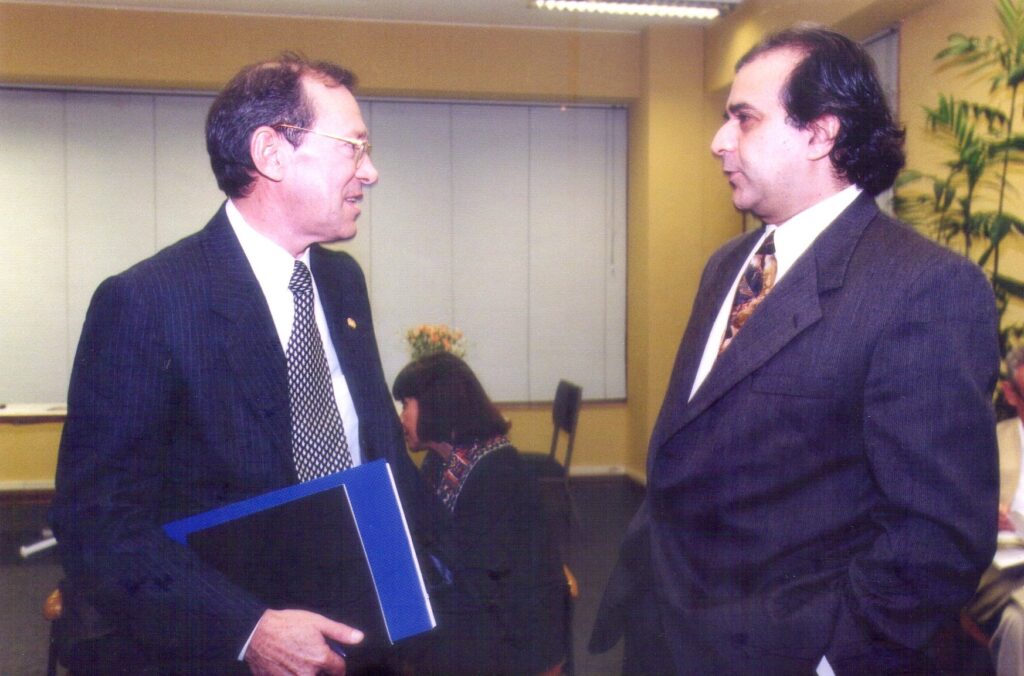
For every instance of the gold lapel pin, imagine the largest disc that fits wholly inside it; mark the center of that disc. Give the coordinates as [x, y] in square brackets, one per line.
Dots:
[351, 323]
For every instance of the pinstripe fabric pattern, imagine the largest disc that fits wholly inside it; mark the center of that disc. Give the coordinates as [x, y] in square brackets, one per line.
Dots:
[830, 488]
[179, 403]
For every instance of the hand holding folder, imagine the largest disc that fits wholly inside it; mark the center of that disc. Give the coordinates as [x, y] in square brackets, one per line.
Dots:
[287, 641]
[286, 546]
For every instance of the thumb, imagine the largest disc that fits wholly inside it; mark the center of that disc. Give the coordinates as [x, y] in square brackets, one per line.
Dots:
[342, 633]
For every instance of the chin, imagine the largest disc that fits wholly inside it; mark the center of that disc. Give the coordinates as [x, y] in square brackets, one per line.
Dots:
[345, 233]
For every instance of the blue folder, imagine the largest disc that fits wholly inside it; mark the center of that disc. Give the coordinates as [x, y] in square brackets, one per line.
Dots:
[379, 521]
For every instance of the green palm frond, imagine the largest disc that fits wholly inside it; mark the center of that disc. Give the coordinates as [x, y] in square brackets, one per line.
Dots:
[984, 153]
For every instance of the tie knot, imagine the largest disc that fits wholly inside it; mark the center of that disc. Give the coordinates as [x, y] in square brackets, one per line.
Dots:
[301, 280]
[767, 247]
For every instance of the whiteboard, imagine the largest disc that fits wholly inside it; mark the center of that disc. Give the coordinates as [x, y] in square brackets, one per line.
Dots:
[507, 221]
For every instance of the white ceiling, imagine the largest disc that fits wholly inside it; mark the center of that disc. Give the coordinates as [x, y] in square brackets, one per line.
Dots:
[472, 12]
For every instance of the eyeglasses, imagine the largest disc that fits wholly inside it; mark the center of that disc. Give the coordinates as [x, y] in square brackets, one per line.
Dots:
[361, 147]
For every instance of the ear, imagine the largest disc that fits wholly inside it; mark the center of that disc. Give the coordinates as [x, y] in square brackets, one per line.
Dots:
[269, 151]
[824, 132]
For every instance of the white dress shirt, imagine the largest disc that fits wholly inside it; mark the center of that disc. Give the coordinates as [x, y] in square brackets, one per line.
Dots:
[273, 268]
[1017, 505]
[792, 239]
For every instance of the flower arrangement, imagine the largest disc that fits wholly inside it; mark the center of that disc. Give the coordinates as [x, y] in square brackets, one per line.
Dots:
[430, 338]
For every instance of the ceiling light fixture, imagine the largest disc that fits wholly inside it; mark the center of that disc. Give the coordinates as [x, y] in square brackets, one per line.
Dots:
[679, 9]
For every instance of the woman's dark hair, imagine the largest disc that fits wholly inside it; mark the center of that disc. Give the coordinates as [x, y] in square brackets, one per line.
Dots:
[262, 94]
[837, 77]
[453, 407]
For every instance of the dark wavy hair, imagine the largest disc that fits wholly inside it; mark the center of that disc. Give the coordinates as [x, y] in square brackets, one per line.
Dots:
[837, 77]
[262, 94]
[453, 407]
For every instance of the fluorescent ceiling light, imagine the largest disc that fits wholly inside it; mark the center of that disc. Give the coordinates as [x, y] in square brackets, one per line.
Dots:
[678, 10]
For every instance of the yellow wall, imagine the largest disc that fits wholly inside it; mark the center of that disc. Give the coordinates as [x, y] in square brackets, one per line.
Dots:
[675, 80]
[669, 166]
[28, 455]
[739, 31]
[45, 44]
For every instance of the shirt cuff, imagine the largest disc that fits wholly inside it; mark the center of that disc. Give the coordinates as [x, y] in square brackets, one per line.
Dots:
[245, 646]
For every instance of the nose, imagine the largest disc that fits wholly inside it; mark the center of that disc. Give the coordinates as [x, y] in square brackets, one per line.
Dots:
[367, 171]
[724, 139]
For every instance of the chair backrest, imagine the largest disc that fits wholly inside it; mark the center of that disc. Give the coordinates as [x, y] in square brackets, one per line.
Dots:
[565, 413]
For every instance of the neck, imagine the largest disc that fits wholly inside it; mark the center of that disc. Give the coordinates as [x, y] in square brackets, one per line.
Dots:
[809, 199]
[265, 217]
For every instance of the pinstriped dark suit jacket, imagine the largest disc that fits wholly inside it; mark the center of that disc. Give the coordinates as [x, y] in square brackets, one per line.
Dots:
[179, 403]
[831, 487]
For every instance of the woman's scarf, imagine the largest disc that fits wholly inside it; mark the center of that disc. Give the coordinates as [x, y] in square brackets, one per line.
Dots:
[446, 478]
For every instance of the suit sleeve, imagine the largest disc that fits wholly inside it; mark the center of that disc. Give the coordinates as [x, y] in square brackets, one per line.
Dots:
[113, 456]
[930, 441]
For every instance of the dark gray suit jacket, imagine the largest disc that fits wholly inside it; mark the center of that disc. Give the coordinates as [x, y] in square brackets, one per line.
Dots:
[831, 488]
[178, 404]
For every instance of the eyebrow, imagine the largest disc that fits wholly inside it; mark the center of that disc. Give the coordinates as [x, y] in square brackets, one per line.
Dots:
[737, 108]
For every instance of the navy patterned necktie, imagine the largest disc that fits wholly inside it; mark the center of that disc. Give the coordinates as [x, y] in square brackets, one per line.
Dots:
[319, 446]
[757, 280]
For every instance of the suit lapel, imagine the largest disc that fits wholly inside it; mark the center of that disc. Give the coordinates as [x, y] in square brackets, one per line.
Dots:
[252, 347]
[340, 323]
[789, 309]
[348, 324]
[792, 307]
[706, 306]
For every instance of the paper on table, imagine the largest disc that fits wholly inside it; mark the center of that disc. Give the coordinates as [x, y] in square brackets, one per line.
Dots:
[1010, 544]
[1008, 558]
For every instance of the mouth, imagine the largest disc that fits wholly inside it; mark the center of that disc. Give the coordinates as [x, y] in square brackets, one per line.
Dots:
[354, 199]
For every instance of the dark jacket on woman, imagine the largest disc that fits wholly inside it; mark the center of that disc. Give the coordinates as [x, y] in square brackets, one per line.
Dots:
[505, 609]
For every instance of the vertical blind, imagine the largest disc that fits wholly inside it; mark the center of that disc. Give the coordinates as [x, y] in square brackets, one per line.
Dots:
[506, 221]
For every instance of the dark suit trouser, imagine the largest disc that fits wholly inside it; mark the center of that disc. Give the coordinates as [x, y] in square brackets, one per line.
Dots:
[646, 646]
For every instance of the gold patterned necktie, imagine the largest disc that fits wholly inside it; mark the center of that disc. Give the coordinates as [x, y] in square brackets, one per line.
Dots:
[319, 445]
[757, 280]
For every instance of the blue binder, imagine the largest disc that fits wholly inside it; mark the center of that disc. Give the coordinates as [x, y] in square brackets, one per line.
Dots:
[381, 525]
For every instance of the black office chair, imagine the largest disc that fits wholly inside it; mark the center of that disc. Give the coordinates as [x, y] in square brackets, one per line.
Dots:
[565, 413]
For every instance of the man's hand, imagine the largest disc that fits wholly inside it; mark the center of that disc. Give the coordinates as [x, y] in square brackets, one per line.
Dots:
[1004, 519]
[295, 642]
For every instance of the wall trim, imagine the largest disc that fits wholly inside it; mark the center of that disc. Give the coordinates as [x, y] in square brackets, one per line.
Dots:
[31, 485]
[609, 470]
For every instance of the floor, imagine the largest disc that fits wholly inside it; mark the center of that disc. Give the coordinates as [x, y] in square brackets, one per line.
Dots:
[24, 584]
[603, 506]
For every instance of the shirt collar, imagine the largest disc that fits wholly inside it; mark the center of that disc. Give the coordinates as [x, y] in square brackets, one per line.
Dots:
[271, 263]
[796, 235]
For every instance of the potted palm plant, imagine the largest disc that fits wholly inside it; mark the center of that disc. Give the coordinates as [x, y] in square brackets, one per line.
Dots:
[966, 206]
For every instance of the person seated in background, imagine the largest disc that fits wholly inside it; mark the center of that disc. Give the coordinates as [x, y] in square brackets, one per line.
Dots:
[998, 605]
[505, 610]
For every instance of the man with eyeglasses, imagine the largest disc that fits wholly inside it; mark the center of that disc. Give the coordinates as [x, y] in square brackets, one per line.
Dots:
[188, 392]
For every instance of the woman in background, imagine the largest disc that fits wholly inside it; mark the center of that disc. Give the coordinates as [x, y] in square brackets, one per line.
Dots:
[505, 609]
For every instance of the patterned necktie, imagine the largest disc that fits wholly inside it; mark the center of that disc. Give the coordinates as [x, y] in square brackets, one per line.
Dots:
[757, 280]
[319, 446]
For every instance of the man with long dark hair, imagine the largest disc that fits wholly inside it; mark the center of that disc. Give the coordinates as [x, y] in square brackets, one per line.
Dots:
[822, 476]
